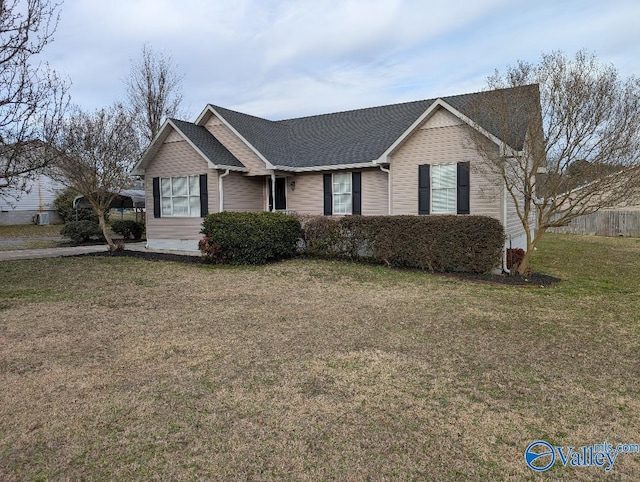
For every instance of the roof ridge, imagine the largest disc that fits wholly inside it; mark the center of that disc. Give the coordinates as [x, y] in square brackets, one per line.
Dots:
[491, 90]
[241, 113]
[362, 109]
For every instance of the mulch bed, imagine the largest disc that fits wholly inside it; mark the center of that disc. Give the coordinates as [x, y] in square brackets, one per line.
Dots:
[534, 279]
[151, 256]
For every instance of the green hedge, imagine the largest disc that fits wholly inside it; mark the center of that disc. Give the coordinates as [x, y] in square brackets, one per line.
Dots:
[81, 231]
[435, 243]
[128, 228]
[249, 238]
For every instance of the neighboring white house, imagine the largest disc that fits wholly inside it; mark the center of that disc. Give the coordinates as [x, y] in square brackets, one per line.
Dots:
[18, 207]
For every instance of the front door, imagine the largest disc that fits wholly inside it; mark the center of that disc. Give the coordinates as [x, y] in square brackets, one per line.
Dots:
[281, 194]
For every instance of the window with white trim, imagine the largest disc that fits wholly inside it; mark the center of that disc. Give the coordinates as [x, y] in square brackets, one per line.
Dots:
[342, 193]
[444, 188]
[180, 196]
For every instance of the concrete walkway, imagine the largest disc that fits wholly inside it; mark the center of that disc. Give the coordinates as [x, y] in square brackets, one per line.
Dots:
[76, 250]
[49, 252]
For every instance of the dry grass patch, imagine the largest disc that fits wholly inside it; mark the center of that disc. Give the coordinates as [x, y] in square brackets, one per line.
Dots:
[29, 231]
[308, 370]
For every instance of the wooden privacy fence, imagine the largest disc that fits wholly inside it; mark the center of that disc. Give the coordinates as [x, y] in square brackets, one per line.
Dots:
[604, 223]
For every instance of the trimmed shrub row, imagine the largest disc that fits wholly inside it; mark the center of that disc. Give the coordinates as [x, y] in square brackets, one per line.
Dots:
[249, 238]
[435, 243]
[128, 229]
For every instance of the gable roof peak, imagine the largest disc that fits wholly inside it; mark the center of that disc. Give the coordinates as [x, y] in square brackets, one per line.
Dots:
[361, 135]
[532, 87]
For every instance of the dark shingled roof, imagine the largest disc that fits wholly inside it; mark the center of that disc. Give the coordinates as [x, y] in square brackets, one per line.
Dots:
[208, 144]
[505, 113]
[351, 137]
[270, 138]
[363, 135]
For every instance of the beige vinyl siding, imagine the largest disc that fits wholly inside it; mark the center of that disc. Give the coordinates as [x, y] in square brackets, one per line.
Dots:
[513, 226]
[173, 137]
[375, 189]
[236, 146]
[443, 139]
[242, 193]
[177, 159]
[308, 196]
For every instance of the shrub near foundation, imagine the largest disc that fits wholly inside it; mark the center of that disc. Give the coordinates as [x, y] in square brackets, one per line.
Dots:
[322, 236]
[435, 243]
[249, 238]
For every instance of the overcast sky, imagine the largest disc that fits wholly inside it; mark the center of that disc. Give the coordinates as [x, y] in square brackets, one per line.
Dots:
[288, 58]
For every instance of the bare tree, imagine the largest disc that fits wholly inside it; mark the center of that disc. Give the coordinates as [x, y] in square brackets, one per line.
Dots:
[582, 148]
[154, 92]
[97, 151]
[33, 98]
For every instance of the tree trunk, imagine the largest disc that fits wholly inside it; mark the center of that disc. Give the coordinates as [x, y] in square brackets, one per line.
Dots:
[523, 268]
[105, 230]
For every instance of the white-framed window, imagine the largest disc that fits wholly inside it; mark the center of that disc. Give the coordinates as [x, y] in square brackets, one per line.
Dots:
[180, 196]
[444, 188]
[342, 193]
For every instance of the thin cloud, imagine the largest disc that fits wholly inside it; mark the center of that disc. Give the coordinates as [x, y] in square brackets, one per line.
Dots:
[291, 58]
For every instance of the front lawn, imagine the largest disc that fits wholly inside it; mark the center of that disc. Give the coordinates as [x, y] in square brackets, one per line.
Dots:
[120, 368]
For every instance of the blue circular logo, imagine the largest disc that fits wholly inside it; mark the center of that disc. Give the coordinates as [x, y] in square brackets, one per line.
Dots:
[540, 455]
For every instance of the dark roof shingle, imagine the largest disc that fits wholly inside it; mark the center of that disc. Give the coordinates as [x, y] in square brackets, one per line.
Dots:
[363, 135]
[208, 144]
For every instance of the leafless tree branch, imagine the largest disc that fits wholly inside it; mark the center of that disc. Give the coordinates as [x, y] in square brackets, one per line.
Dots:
[582, 151]
[33, 98]
[97, 151]
[154, 92]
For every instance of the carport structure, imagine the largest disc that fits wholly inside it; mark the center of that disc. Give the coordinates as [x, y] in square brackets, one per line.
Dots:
[125, 199]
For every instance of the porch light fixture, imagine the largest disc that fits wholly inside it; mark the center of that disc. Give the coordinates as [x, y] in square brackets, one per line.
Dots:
[292, 185]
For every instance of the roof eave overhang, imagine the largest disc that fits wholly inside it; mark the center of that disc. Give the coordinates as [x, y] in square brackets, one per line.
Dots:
[230, 168]
[211, 110]
[336, 167]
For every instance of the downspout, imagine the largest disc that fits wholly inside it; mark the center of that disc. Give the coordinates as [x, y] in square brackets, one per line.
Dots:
[220, 191]
[388, 171]
[504, 218]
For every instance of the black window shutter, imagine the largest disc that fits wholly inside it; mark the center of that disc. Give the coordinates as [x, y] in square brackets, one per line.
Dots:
[463, 188]
[204, 196]
[356, 190]
[156, 197]
[424, 189]
[328, 195]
